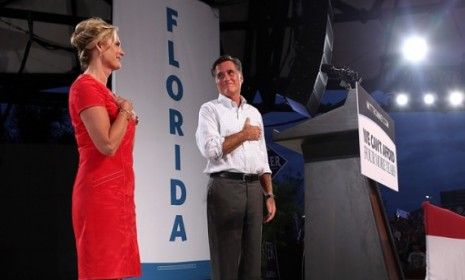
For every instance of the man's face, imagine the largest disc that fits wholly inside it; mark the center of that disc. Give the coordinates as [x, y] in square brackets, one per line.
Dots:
[228, 79]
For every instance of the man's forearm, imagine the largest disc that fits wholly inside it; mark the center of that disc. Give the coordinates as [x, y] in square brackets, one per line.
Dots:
[233, 141]
[265, 181]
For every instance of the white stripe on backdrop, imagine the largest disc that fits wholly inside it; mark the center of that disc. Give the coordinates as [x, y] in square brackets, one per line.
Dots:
[445, 243]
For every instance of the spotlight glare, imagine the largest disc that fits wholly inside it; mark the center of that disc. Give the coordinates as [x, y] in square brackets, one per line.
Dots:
[402, 99]
[429, 99]
[414, 49]
[456, 98]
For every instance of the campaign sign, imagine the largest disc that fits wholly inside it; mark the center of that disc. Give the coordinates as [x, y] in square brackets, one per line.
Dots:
[378, 155]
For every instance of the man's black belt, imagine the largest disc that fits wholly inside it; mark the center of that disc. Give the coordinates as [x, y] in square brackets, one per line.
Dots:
[235, 176]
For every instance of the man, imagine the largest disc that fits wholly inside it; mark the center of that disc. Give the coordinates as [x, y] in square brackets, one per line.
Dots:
[230, 136]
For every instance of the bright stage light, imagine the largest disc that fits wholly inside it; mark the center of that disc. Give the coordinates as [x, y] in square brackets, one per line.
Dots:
[429, 99]
[402, 99]
[414, 49]
[438, 100]
[456, 98]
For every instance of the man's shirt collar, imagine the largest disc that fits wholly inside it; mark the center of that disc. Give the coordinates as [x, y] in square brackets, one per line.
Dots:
[228, 102]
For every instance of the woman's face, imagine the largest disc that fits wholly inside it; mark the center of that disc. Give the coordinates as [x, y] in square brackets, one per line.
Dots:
[112, 53]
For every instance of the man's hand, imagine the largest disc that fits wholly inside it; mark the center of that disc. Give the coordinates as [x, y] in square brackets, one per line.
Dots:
[271, 208]
[248, 133]
[267, 185]
[251, 132]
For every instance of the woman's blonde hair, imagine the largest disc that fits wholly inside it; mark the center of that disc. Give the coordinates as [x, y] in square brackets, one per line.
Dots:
[87, 34]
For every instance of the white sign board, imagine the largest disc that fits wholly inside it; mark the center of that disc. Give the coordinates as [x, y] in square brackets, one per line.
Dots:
[378, 154]
[169, 46]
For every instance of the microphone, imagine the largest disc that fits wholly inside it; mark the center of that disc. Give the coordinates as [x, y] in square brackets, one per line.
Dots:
[344, 74]
[327, 68]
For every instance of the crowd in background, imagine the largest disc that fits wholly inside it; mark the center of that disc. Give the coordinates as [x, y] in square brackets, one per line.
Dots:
[409, 238]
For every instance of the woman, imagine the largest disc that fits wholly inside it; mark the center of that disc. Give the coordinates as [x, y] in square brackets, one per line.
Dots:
[103, 208]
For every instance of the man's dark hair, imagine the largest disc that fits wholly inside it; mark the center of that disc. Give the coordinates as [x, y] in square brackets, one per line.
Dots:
[224, 58]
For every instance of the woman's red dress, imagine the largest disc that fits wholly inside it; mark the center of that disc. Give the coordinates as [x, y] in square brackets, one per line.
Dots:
[103, 209]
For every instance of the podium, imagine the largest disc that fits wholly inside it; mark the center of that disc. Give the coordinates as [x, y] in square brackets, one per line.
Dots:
[347, 235]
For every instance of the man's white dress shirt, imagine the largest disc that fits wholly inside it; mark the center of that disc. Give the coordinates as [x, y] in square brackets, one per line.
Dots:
[220, 118]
